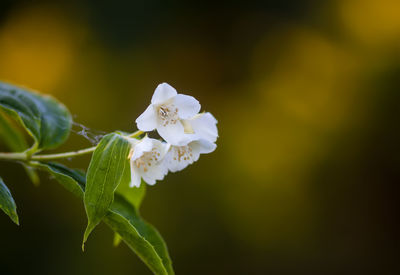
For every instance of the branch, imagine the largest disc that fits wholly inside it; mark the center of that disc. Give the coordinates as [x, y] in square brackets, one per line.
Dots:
[26, 157]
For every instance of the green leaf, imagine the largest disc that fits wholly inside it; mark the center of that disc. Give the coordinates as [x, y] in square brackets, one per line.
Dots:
[140, 236]
[10, 135]
[134, 195]
[72, 179]
[7, 203]
[117, 239]
[16, 142]
[32, 175]
[108, 168]
[123, 218]
[45, 119]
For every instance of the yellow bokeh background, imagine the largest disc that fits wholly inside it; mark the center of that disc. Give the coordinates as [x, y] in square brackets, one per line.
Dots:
[305, 94]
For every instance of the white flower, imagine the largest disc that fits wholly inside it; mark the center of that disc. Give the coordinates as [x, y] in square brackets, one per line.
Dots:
[166, 112]
[201, 126]
[146, 159]
[179, 157]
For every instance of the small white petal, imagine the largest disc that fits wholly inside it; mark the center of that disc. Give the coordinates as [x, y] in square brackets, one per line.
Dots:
[205, 127]
[148, 179]
[147, 121]
[162, 147]
[135, 177]
[173, 133]
[187, 126]
[144, 145]
[176, 166]
[163, 93]
[187, 106]
[158, 172]
[203, 146]
[176, 162]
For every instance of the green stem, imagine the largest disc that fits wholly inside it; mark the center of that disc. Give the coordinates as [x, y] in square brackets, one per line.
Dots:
[13, 156]
[64, 155]
[26, 157]
[135, 134]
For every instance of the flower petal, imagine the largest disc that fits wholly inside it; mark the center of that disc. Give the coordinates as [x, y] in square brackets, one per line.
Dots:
[205, 127]
[203, 146]
[175, 162]
[135, 176]
[148, 179]
[187, 106]
[163, 92]
[157, 172]
[147, 121]
[144, 145]
[161, 146]
[173, 133]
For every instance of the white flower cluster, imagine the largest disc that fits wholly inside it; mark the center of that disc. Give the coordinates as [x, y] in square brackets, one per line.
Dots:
[187, 134]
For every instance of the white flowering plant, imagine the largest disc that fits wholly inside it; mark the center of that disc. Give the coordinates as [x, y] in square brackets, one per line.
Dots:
[121, 165]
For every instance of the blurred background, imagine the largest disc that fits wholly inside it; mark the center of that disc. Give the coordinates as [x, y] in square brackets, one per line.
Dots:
[305, 179]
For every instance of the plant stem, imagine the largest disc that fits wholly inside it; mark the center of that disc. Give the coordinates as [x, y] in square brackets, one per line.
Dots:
[26, 157]
[64, 155]
[13, 156]
[136, 134]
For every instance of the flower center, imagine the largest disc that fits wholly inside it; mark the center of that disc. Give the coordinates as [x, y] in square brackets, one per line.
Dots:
[183, 153]
[148, 159]
[168, 114]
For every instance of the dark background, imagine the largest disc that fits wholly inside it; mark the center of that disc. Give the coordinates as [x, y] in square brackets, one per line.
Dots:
[305, 179]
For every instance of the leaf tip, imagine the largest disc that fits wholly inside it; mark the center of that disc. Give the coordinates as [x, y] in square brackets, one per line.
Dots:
[15, 219]
[33, 176]
[84, 241]
[89, 229]
[117, 240]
